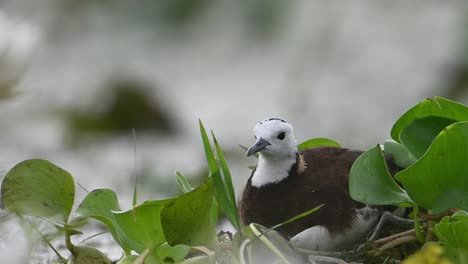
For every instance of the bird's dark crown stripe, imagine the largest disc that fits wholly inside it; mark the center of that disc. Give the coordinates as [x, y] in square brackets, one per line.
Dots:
[279, 119]
[273, 119]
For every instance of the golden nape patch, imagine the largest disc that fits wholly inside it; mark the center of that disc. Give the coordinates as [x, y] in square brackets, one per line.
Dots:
[302, 165]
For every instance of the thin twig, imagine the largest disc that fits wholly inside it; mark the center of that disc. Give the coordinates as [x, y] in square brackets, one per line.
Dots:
[437, 217]
[396, 242]
[386, 259]
[395, 236]
[82, 187]
[45, 239]
[93, 236]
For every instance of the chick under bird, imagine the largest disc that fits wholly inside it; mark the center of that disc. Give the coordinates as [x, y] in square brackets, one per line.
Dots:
[288, 182]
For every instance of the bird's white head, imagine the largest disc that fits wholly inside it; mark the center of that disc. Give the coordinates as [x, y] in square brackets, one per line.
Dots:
[274, 140]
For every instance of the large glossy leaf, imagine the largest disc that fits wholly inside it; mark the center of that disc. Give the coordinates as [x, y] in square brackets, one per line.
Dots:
[419, 134]
[187, 219]
[318, 142]
[434, 106]
[452, 231]
[134, 229]
[399, 154]
[443, 168]
[142, 224]
[450, 199]
[370, 181]
[39, 188]
[100, 204]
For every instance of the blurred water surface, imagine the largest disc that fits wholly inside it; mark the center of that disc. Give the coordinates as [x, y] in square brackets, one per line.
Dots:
[344, 70]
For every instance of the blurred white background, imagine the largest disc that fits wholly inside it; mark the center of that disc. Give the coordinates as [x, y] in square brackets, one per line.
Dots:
[343, 70]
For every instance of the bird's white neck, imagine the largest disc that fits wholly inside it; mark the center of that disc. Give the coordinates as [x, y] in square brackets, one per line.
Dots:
[271, 170]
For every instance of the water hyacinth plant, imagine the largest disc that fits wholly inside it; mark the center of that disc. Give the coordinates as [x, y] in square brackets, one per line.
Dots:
[430, 143]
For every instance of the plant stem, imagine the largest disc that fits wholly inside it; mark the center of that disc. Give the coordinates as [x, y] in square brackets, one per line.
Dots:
[396, 242]
[393, 237]
[32, 225]
[430, 224]
[93, 236]
[417, 225]
[68, 242]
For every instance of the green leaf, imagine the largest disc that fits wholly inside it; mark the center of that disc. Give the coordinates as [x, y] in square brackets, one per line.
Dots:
[318, 142]
[184, 184]
[452, 231]
[434, 106]
[214, 210]
[228, 190]
[221, 192]
[188, 220]
[220, 195]
[419, 134]
[39, 188]
[99, 204]
[135, 229]
[167, 254]
[370, 181]
[299, 216]
[142, 225]
[442, 168]
[212, 165]
[399, 154]
[450, 199]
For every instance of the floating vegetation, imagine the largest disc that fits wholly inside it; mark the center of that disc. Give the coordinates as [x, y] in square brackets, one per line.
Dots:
[430, 140]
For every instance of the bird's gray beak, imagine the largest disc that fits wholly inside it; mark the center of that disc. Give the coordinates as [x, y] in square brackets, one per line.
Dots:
[260, 145]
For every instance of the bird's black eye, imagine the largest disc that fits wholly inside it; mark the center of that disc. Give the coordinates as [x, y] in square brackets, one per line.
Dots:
[281, 136]
[255, 137]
